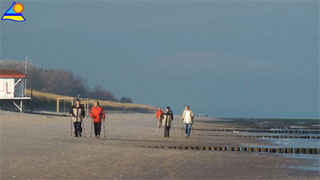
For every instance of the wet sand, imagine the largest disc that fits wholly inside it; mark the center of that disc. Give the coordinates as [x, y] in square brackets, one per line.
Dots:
[40, 147]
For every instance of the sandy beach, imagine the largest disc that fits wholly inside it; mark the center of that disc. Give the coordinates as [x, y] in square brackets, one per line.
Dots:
[35, 146]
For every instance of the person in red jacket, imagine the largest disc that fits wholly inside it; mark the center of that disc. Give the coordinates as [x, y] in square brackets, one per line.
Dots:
[158, 116]
[97, 114]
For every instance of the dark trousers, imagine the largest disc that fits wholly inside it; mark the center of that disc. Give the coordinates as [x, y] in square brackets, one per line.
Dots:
[97, 128]
[166, 131]
[77, 128]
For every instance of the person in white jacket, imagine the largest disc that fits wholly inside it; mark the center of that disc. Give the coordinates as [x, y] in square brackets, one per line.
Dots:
[187, 118]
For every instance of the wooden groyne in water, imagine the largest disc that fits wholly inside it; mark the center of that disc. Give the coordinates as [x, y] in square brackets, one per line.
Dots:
[277, 131]
[267, 136]
[280, 150]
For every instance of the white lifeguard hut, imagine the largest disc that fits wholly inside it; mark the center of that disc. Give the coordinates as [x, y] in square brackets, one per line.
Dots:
[12, 87]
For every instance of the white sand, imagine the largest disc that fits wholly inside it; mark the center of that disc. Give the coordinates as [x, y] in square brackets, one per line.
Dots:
[40, 147]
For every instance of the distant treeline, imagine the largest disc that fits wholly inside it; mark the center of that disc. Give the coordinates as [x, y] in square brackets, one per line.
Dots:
[60, 81]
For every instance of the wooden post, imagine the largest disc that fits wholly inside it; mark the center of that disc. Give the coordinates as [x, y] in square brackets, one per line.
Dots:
[88, 106]
[57, 105]
[21, 106]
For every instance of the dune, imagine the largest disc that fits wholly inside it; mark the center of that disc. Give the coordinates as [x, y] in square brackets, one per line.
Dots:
[40, 99]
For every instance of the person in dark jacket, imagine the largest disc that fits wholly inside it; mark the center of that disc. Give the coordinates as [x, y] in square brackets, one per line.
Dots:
[167, 117]
[77, 114]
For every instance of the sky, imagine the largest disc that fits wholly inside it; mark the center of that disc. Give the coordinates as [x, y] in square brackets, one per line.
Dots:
[223, 58]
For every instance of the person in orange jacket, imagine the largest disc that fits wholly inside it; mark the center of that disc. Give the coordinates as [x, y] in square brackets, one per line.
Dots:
[158, 116]
[97, 114]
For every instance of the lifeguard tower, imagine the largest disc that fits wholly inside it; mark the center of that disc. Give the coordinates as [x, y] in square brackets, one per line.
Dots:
[12, 87]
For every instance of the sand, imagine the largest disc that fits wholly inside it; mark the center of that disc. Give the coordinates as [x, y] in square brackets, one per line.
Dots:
[40, 147]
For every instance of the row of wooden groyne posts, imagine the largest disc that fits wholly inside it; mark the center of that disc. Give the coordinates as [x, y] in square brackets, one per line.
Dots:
[278, 131]
[269, 136]
[263, 128]
[282, 150]
[288, 133]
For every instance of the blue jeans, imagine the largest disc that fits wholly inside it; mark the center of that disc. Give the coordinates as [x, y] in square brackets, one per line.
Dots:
[187, 129]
